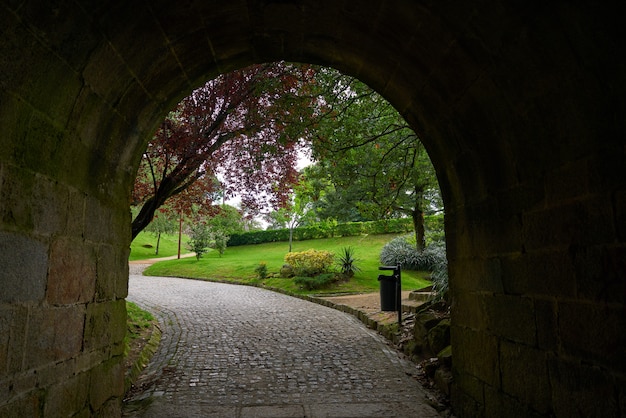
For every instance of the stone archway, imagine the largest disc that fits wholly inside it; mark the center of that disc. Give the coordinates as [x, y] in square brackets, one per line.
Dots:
[521, 111]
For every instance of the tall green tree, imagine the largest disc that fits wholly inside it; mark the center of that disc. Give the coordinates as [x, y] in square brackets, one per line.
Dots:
[164, 222]
[295, 213]
[373, 158]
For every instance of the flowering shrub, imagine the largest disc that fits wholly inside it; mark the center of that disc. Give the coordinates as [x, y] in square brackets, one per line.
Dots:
[310, 262]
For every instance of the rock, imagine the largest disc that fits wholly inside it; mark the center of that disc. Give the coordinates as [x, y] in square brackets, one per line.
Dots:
[443, 380]
[445, 356]
[439, 336]
[430, 366]
[427, 319]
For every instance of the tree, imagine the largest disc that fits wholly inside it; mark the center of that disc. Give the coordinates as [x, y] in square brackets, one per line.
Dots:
[244, 127]
[200, 239]
[373, 158]
[292, 214]
[163, 223]
[228, 219]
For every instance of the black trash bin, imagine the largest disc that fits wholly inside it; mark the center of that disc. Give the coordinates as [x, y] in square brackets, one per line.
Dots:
[387, 293]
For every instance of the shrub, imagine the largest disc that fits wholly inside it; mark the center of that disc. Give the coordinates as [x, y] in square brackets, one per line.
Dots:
[435, 233]
[286, 271]
[200, 239]
[261, 270]
[220, 240]
[317, 282]
[440, 279]
[324, 229]
[402, 250]
[346, 262]
[309, 263]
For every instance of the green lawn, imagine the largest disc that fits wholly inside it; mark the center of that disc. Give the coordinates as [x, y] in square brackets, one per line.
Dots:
[144, 246]
[238, 264]
[138, 320]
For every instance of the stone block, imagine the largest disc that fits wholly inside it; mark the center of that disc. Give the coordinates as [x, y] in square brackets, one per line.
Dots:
[443, 380]
[427, 319]
[112, 273]
[54, 334]
[567, 182]
[112, 408]
[105, 324]
[445, 356]
[594, 332]
[498, 404]
[547, 324]
[72, 272]
[484, 274]
[476, 353]
[13, 325]
[106, 225]
[579, 390]
[620, 214]
[561, 225]
[538, 273]
[27, 406]
[600, 272]
[67, 397]
[24, 264]
[49, 207]
[524, 374]
[75, 226]
[107, 384]
[511, 317]
[439, 336]
[464, 404]
[45, 153]
[469, 310]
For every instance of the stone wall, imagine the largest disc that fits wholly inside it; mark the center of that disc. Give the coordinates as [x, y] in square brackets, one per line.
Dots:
[62, 312]
[521, 109]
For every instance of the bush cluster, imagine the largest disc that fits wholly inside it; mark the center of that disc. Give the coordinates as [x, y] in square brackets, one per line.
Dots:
[310, 263]
[440, 279]
[323, 230]
[318, 282]
[402, 250]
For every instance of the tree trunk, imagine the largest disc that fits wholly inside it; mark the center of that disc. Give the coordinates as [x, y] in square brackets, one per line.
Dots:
[145, 215]
[418, 224]
[169, 187]
[180, 231]
[158, 242]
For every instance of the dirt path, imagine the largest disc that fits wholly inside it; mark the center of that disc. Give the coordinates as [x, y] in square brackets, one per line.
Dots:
[154, 260]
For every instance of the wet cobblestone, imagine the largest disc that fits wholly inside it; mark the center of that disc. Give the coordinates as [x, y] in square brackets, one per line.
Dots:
[238, 351]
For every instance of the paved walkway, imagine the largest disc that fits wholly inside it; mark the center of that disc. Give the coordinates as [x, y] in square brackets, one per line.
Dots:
[239, 351]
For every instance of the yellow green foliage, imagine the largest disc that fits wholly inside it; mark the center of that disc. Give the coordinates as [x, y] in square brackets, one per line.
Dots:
[310, 262]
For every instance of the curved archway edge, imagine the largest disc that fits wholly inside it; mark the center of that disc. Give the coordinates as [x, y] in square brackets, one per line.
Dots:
[521, 109]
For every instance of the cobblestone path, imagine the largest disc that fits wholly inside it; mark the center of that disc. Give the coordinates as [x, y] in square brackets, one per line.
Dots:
[238, 351]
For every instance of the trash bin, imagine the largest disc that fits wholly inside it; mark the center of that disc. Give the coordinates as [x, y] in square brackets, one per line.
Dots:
[387, 293]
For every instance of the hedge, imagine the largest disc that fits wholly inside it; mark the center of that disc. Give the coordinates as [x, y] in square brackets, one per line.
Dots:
[324, 230]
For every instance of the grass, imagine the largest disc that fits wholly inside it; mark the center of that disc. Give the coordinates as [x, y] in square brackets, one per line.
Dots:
[144, 246]
[138, 321]
[238, 265]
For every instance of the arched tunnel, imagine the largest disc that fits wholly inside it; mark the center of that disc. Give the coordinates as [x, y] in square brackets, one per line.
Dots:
[520, 105]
